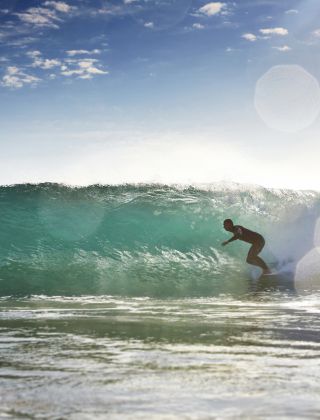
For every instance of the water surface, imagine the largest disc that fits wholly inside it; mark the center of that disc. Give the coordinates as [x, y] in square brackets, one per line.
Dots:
[110, 357]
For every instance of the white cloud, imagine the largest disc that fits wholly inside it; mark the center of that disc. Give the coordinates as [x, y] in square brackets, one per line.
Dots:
[33, 54]
[129, 1]
[83, 68]
[94, 70]
[12, 70]
[110, 9]
[43, 63]
[149, 25]
[60, 6]
[77, 60]
[16, 78]
[292, 12]
[249, 37]
[68, 73]
[274, 31]
[211, 9]
[86, 64]
[72, 53]
[39, 16]
[284, 48]
[198, 26]
[46, 63]
[45, 16]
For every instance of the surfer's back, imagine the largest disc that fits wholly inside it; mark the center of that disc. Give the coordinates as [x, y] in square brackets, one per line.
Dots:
[246, 235]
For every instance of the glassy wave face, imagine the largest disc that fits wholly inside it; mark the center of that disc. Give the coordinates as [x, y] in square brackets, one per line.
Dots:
[144, 240]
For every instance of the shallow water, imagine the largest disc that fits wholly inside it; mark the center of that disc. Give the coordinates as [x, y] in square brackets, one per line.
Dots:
[110, 357]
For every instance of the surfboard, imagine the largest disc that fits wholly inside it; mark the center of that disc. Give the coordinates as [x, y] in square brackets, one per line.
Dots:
[276, 275]
[282, 280]
[279, 269]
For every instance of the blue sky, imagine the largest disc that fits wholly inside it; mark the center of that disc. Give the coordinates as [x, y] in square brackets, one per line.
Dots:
[160, 91]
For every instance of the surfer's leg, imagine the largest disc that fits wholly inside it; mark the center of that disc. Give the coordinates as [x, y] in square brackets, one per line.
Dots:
[254, 259]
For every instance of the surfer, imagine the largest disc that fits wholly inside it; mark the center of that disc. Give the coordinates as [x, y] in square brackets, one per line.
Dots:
[255, 239]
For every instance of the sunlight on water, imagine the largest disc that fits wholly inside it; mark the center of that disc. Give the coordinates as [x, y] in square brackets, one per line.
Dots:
[146, 358]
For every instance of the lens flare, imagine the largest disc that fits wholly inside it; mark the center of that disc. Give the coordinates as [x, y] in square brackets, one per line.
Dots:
[159, 15]
[317, 234]
[70, 220]
[287, 98]
[307, 276]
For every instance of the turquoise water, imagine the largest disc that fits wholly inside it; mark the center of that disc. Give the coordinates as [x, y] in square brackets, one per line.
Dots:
[147, 240]
[119, 303]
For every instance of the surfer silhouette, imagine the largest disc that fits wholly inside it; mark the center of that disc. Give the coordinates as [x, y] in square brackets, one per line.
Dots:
[255, 239]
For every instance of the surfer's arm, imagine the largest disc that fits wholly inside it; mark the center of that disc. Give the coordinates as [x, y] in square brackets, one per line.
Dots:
[237, 235]
[234, 238]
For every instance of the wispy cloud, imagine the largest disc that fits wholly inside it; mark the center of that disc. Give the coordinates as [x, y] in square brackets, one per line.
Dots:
[109, 10]
[198, 26]
[43, 63]
[60, 6]
[249, 37]
[292, 12]
[149, 25]
[51, 68]
[283, 48]
[15, 34]
[274, 31]
[40, 17]
[267, 33]
[231, 50]
[73, 53]
[33, 54]
[211, 9]
[16, 78]
[82, 68]
[48, 16]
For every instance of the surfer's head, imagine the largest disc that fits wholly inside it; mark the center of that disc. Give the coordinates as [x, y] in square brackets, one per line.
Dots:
[228, 224]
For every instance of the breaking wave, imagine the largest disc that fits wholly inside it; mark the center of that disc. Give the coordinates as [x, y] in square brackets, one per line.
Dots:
[144, 240]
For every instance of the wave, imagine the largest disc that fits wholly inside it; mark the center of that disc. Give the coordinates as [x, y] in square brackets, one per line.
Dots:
[143, 240]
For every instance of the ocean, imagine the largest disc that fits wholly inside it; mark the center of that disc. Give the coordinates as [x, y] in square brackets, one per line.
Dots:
[118, 302]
